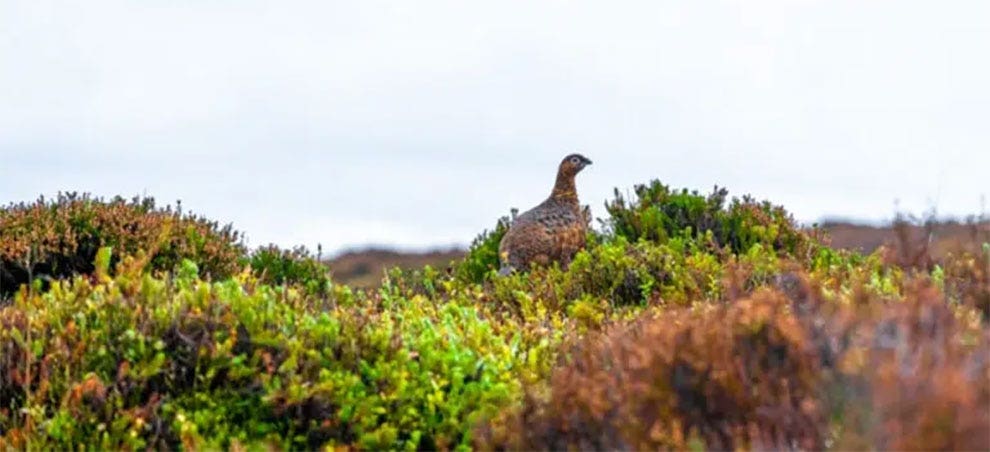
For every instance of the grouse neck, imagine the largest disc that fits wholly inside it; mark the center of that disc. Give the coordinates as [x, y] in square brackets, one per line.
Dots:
[564, 189]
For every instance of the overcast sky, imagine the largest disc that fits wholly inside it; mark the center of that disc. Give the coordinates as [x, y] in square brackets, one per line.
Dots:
[420, 123]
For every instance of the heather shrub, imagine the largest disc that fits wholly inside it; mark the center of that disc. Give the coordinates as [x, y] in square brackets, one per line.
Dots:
[658, 213]
[966, 279]
[744, 375]
[914, 375]
[678, 272]
[482, 257]
[138, 361]
[788, 366]
[53, 239]
[839, 273]
[297, 266]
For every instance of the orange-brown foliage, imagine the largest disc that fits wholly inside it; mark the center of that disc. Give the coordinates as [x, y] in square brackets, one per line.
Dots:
[774, 369]
[922, 366]
[732, 376]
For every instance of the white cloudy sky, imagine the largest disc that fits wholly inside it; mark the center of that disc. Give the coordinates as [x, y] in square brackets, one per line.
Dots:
[419, 123]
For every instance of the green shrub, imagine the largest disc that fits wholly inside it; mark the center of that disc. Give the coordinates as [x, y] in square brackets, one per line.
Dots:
[54, 239]
[138, 361]
[292, 267]
[482, 257]
[678, 272]
[659, 213]
[623, 274]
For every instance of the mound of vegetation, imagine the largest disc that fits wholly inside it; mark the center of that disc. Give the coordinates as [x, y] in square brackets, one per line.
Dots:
[297, 266]
[659, 213]
[688, 321]
[136, 361]
[782, 368]
[53, 239]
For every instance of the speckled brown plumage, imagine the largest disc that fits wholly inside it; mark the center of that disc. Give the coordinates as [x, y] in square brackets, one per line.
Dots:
[553, 231]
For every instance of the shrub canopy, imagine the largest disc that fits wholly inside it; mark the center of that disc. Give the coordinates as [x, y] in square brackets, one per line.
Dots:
[688, 322]
[53, 239]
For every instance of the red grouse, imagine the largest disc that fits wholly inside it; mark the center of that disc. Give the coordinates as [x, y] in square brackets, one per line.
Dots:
[553, 231]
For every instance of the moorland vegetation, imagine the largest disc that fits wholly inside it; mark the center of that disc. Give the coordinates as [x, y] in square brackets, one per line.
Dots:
[689, 321]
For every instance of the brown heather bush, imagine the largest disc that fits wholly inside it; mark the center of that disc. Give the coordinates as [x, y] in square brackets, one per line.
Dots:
[733, 376]
[967, 280]
[961, 264]
[781, 368]
[922, 368]
[53, 239]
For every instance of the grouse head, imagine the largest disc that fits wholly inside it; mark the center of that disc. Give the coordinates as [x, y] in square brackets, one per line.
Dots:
[573, 164]
[564, 189]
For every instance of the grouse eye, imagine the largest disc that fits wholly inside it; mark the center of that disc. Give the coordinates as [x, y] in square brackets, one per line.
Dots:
[575, 160]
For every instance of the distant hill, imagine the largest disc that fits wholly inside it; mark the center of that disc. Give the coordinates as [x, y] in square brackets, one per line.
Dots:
[364, 267]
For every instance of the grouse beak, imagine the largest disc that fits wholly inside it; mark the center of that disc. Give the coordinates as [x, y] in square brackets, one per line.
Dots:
[586, 161]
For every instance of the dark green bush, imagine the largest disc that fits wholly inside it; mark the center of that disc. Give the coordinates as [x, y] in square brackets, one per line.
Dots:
[622, 274]
[297, 266]
[482, 258]
[659, 213]
[52, 239]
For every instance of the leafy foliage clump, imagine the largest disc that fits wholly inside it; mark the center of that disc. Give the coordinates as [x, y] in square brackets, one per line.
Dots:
[966, 279]
[297, 266]
[659, 213]
[482, 257]
[58, 238]
[137, 361]
[621, 274]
